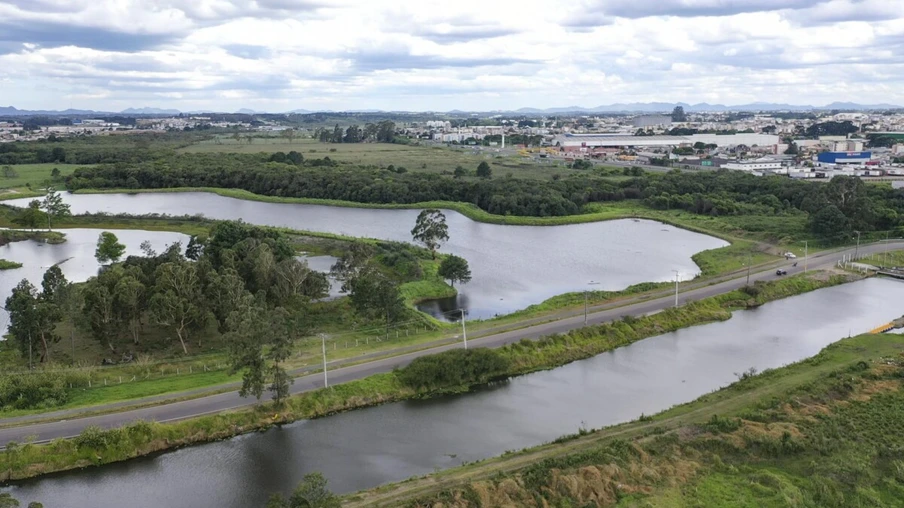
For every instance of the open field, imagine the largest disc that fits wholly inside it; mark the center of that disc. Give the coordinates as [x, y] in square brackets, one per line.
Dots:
[416, 158]
[35, 175]
[814, 434]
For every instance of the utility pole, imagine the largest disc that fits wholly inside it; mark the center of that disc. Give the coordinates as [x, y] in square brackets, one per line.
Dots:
[676, 287]
[857, 249]
[591, 283]
[806, 255]
[464, 332]
[748, 268]
[323, 344]
[885, 254]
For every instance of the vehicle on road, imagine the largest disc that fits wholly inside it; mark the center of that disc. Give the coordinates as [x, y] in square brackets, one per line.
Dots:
[781, 272]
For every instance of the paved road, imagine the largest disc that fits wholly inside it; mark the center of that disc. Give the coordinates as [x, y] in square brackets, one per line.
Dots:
[231, 400]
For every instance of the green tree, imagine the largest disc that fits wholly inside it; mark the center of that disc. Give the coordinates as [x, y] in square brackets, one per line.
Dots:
[99, 309]
[280, 339]
[55, 174]
[32, 216]
[225, 293]
[129, 302]
[9, 172]
[254, 329]
[109, 250]
[310, 493]
[245, 341]
[351, 263]
[678, 114]
[376, 296]
[792, 149]
[829, 222]
[483, 170]
[195, 248]
[177, 300]
[460, 172]
[455, 269]
[430, 229]
[54, 206]
[32, 318]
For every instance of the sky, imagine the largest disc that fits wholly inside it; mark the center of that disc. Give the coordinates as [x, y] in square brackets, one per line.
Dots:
[431, 55]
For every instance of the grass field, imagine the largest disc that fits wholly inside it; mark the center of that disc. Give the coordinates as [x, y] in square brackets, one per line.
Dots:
[34, 175]
[414, 158]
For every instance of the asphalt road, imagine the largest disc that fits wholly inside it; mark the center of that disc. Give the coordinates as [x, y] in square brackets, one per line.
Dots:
[231, 400]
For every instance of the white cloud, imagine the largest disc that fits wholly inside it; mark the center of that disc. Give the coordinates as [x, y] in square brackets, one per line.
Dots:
[289, 54]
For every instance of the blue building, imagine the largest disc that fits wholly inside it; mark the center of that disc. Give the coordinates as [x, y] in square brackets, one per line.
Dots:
[848, 158]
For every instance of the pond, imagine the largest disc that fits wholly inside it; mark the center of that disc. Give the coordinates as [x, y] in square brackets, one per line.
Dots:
[512, 266]
[368, 447]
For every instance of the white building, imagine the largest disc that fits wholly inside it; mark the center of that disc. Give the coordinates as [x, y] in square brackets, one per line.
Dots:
[753, 165]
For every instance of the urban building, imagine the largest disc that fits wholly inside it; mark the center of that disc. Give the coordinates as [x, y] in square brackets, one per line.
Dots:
[843, 158]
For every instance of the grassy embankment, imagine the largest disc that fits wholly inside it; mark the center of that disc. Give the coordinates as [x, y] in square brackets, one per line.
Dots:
[96, 447]
[820, 433]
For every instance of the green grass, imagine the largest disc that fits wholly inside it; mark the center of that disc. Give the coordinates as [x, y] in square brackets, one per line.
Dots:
[415, 158]
[9, 265]
[35, 175]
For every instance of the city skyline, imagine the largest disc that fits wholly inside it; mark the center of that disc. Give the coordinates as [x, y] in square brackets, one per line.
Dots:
[282, 55]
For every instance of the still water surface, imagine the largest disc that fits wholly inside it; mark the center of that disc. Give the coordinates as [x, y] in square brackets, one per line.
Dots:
[368, 447]
[512, 266]
[75, 257]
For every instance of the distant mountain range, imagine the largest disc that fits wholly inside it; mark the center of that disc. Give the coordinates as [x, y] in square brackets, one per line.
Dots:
[632, 107]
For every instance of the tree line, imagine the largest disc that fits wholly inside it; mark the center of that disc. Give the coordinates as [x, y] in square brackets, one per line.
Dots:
[380, 132]
[863, 207]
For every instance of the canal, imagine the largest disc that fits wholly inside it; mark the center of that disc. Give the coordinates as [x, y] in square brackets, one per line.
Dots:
[369, 447]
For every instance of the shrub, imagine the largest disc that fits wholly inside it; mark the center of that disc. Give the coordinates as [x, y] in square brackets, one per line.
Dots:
[458, 367]
[31, 391]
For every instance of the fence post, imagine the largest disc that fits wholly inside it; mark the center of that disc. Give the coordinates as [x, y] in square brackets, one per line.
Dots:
[120, 379]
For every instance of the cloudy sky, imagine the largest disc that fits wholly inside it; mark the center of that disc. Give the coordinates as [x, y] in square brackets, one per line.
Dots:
[279, 55]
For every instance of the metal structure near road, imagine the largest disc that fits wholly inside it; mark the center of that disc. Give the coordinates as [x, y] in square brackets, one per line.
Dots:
[591, 283]
[806, 255]
[857, 249]
[676, 287]
[464, 332]
[323, 344]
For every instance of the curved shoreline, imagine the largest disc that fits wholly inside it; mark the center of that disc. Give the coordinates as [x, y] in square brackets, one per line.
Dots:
[467, 209]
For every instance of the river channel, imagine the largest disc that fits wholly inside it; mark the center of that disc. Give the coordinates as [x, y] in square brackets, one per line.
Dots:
[512, 266]
[369, 447]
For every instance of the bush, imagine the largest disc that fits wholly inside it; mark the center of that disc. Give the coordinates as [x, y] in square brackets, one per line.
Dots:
[458, 367]
[33, 391]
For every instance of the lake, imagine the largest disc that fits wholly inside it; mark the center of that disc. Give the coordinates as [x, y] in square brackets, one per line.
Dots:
[512, 266]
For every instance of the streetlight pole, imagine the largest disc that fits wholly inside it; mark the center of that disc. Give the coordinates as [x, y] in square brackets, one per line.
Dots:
[748, 268]
[323, 344]
[464, 332]
[591, 283]
[806, 255]
[676, 287]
